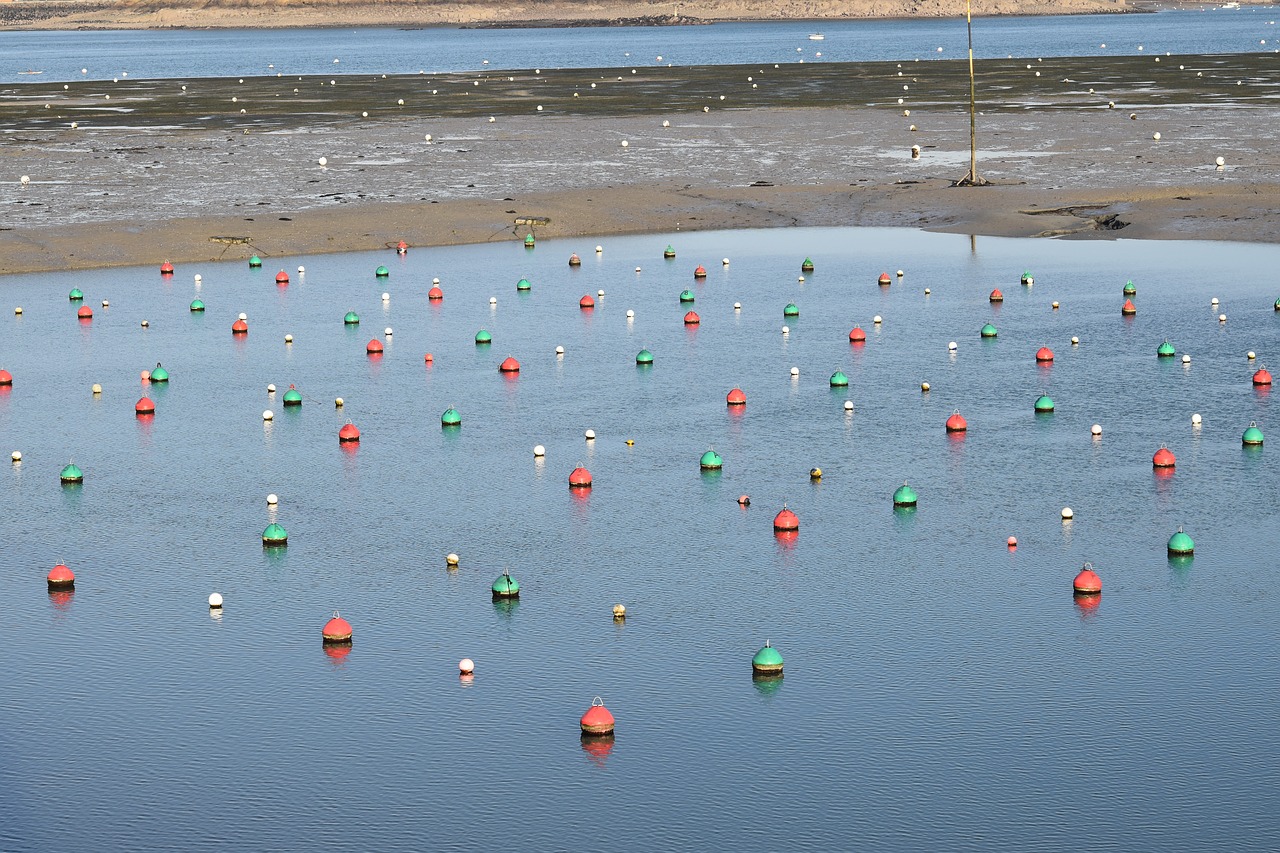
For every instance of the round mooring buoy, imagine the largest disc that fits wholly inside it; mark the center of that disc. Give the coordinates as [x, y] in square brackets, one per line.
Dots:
[166, 268]
[586, 303]
[700, 272]
[240, 327]
[1181, 544]
[374, 347]
[1262, 377]
[996, 296]
[1087, 582]
[692, 318]
[957, 423]
[1166, 350]
[509, 365]
[292, 397]
[597, 721]
[1163, 458]
[451, 418]
[435, 294]
[351, 319]
[145, 406]
[988, 331]
[282, 277]
[644, 357]
[274, 536]
[348, 433]
[84, 312]
[579, 478]
[255, 262]
[1044, 355]
[790, 310]
[1044, 404]
[483, 338]
[1128, 308]
[196, 306]
[60, 577]
[786, 521]
[336, 631]
[904, 496]
[839, 380]
[735, 397]
[71, 474]
[505, 586]
[767, 661]
[806, 265]
[710, 461]
[381, 272]
[1252, 435]
[857, 336]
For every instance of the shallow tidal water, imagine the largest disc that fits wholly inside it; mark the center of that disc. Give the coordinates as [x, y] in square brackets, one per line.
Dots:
[941, 691]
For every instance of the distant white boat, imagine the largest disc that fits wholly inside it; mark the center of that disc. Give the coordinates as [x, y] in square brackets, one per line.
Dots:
[1230, 6]
[820, 36]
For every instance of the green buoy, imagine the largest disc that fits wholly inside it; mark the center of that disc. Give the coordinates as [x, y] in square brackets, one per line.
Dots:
[904, 496]
[255, 262]
[274, 536]
[1252, 436]
[711, 461]
[382, 272]
[791, 310]
[197, 305]
[159, 374]
[644, 357]
[1278, 304]
[483, 337]
[292, 397]
[989, 331]
[451, 418]
[352, 319]
[76, 294]
[839, 380]
[806, 265]
[669, 252]
[523, 284]
[1166, 350]
[1044, 403]
[767, 661]
[506, 586]
[528, 241]
[71, 474]
[1129, 288]
[686, 296]
[1181, 543]
[1027, 278]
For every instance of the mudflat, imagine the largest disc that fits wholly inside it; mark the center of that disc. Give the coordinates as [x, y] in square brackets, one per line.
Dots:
[225, 169]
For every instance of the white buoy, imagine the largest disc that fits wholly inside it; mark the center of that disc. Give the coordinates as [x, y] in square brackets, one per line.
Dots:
[215, 601]
[1251, 355]
[625, 143]
[1055, 305]
[1075, 342]
[590, 435]
[927, 291]
[386, 297]
[451, 559]
[387, 331]
[271, 389]
[466, 666]
[800, 279]
[539, 450]
[599, 250]
[1220, 162]
[302, 269]
[288, 339]
[199, 278]
[338, 402]
[146, 324]
[323, 161]
[1186, 359]
[952, 346]
[848, 405]
[786, 330]
[631, 315]
[493, 300]
[106, 304]
[925, 386]
[97, 389]
[16, 456]
[877, 320]
[1096, 429]
[795, 371]
[24, 180]
[1222, 318]
[599, 293]
[901, 273]
[637, 269]
[435, 281]
[268, 415]
[666, 123]
[1195, 419]
[724, 262]
[559, 350]
[273, 499]
[1067, 514]
[18, 311]
[737, 306]
[1213, 301]
[1156, 136]
[244, 316]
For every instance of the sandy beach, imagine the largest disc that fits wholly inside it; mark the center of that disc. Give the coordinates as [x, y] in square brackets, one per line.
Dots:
[158, 172]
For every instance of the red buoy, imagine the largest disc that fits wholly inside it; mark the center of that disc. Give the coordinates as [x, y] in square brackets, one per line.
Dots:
[1262, 377]
[85, 313]
[1163, 459]
[145, 406]
[597, 720]
[736, 398]
[692, 318]
[374, 347]
[744, 500]
[61, 577]
[884, 279]
[1087, 582]
[1012, 542]
[785, 521]
[586, 303]
[580, 478]
[1044, 354]
[6, 378]
[957, 423]
[509, 365]
[435, 294]
[402, 248]
[1128, 309]
[574, 260]
[239, 327]
[429, 358]
[348, 432]
[997, 296]
[282, 277]
[336, 630]
[166, 268]
[700, 272]
[857, 336]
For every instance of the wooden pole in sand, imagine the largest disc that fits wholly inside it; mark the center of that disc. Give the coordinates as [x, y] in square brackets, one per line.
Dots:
[971, 179]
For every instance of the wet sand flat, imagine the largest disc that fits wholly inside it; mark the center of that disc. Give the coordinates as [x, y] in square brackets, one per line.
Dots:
[155, 171]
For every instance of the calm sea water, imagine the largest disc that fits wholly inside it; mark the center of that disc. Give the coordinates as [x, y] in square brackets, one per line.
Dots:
[220, 53]
[942, 692]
